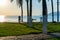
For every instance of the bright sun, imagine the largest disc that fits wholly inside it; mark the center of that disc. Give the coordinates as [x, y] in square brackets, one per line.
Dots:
[3, 2]
[2, 18]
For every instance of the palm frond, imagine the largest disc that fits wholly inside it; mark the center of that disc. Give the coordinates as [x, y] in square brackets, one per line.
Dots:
[39, 1]
[11, 0]
[19, 2]
[48, 0]
[27, 0]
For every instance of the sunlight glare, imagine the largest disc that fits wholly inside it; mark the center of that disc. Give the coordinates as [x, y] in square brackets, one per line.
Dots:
[3, 2]
[2, 18]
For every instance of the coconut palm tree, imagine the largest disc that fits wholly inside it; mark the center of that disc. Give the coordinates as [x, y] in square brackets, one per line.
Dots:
[44, 11]
[44, 16]
[57, 10]
[20, 4]
[27, 1]
[52, 11]
[30, 14]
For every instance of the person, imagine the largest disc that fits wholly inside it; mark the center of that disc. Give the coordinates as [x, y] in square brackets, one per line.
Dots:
[18, 19]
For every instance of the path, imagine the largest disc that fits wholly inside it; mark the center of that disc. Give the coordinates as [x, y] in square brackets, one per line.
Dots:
[30, 37]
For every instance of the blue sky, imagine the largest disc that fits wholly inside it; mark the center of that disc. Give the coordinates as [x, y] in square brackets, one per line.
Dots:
[12, 9]
[37, 7]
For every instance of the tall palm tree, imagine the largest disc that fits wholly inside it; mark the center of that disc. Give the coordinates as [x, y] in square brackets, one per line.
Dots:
[30, 14]
[44, 11]
[27, 1]
[20, 4]
[52, 11]
[57, 10]
[44, 16]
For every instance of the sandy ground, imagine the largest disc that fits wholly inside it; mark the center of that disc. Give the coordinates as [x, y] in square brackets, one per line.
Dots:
[25, 37]
[31, 36]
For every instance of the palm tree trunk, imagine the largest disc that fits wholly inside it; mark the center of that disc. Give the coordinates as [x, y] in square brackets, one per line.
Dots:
[52, 11]
[30, 15]
[21, 13]
[27, 12]
[57, 10]
[44, 16]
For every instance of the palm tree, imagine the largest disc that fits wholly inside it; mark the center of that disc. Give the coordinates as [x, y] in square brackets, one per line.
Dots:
[20, 4]
[30, 15]
[57, 10]
[44, 16]
[27, 1]
[52, 11]
[44, 10]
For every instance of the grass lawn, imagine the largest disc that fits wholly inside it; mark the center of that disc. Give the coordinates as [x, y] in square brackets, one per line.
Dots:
[15, 29]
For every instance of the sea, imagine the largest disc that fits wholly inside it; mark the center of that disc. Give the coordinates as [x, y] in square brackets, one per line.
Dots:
[37, 18]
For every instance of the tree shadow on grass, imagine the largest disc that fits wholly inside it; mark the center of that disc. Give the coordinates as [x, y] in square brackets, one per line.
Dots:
[53, 39]
[53, 35]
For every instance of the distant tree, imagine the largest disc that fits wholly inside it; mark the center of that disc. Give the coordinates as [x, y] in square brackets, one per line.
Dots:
[41, 19]
[33, 20]
[20, 4]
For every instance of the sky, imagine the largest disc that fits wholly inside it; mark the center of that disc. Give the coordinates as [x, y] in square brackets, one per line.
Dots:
[11, 9]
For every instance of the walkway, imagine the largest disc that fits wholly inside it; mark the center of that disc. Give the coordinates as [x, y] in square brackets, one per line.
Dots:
[31, 37]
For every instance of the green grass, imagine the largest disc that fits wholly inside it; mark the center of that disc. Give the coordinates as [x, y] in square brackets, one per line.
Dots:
[8, 29]
[15, 29]
[53, 27]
